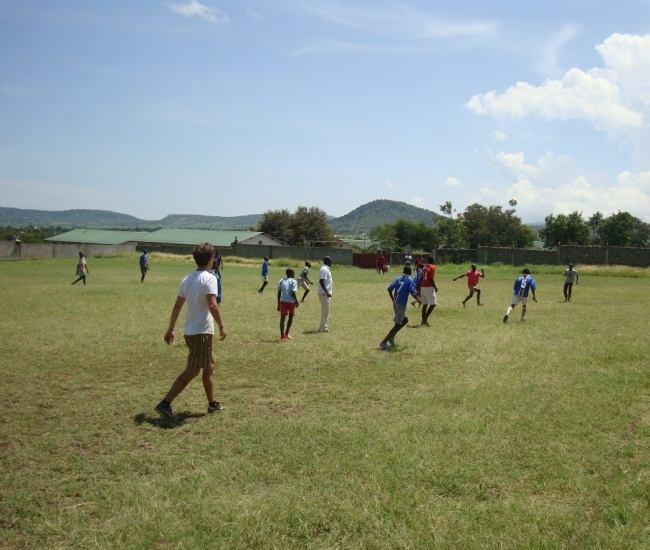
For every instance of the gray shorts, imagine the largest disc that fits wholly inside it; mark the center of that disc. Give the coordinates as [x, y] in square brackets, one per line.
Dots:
[400, 313]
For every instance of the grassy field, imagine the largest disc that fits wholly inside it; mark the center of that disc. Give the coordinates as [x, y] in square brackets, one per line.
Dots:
[471, 434]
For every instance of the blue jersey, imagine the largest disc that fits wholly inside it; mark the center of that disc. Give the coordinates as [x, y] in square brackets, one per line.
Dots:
[523, 284]
[144, 261]
[403, 286]
[265, 268]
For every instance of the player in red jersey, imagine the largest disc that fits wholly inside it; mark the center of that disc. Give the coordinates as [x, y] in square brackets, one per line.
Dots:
[473, 276]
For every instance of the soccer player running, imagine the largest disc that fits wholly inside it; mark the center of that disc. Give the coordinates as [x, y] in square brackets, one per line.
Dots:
[144, 265]
[570, 277]
[303, 280]
[399, 291]
[199, 290]
[287, 302]
[428, 291]
[523, 284]
[265, 274]
[473, 276]
[82, 269]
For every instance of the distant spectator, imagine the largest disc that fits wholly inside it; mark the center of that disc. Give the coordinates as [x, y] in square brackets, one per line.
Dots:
[144, 265]
[570, 278]
[82, 269]
[265, 274]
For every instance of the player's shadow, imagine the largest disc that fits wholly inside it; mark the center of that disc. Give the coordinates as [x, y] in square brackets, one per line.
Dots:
[176, 421]
[312, 331]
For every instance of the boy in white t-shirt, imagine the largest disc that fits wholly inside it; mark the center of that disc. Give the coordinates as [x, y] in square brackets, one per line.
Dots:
[199, 290]
[324, 291]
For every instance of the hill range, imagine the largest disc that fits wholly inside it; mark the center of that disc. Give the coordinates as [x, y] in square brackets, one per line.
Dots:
[359, 220]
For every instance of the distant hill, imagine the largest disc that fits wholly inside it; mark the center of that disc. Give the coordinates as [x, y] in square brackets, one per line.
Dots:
[105, 219]
[379, 212]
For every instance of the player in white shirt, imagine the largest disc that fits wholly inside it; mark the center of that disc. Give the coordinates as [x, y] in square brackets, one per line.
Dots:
[199, 291]
[324, 291]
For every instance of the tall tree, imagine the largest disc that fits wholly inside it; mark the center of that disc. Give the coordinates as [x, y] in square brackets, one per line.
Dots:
[564, 229]
[595, 221]
[306, 226]
[276, 223]
[493, 226]
[623, 229]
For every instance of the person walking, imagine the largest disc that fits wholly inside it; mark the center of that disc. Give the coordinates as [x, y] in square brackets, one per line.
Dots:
[82, 269]
[570, 278]
[324, 291]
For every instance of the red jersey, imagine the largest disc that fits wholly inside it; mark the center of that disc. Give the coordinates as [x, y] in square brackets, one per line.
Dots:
[472, 277]
[428, 273]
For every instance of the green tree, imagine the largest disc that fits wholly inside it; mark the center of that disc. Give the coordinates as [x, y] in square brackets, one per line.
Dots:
[595, 221]
[564, 229]
[405, 235]
[493, 226]
[623, 229]
[306, 226]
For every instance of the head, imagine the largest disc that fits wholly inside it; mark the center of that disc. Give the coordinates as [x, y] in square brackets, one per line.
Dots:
[429, 259]
[145, 252]
[407, 270]
[290, 273]
[203, 254]
[526, 271]
[473, 267]
[327, 261]
[307, 263]
[266, 258]
[570, 266]
[81, 254]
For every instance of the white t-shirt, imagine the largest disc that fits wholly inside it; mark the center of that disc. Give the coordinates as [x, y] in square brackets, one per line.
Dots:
[325, 274]
[195, 288]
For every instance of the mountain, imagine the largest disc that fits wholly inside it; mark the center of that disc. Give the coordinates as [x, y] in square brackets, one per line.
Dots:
[379, 212]
[106, 219]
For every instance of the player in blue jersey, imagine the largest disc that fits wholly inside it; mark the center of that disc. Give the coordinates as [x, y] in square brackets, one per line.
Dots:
[399, 291]
[523, 284]
[144, 265]
[265, 274]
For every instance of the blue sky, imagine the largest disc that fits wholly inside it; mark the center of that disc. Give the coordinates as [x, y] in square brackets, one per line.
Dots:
[227, 108]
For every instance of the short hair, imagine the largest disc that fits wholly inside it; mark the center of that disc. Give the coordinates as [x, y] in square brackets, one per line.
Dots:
[327, 260]
[308, 263]
[429, 259]
[203, 253]
[266, 258]
[570, 265]
[474, 267]
[290, 272]
[526, 271]
[406, 270]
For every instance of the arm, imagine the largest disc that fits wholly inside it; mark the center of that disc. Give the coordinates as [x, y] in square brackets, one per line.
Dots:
[295, 298]
[483, 273]
[216, 314]
[534, 297]
[322, 284]
[577, 276]
[279, 294]
[176, 310]
[390, 293]
[459, 277]
[435, 287]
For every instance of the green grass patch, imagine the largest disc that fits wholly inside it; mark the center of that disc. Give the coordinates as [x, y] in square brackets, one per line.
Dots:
[471, 434]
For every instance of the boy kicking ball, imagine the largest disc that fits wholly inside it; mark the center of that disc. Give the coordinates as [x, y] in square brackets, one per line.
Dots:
[199, 290]
[523, 284]
[287, 302]
[399, 291]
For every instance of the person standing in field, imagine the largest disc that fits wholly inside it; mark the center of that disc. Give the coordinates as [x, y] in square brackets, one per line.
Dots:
[287, 302]
[428, 291]
[523, 284]
[324, 291]
[82, 269]
[399, 291]
[216, 268]
[144, 265]
[303, 280]
[381, 262]
[570, 277]
[473, 276]
[199, 290]
[265, 274]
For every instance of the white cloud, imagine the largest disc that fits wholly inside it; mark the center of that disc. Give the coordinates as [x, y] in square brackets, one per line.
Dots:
[611, 98]
[342, 46]
[555, 184]
[194, 8]
[452, 182]
[390, 184]
[397, 20]
[499, 135]
[549, 57]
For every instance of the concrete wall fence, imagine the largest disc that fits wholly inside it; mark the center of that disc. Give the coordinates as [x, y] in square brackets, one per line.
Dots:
[598, 255]
[8, 249]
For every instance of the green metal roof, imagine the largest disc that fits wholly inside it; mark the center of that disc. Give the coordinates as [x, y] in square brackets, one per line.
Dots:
[97, 236]
[162, 236]
[195, 236]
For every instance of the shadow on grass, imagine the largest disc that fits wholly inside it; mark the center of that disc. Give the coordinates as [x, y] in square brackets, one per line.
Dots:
[314, 331]
[177, 421]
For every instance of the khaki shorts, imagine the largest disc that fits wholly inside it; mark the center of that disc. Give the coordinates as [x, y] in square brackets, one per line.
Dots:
[428, 296]
[200, 346]
[516, 299]
[304, 284]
